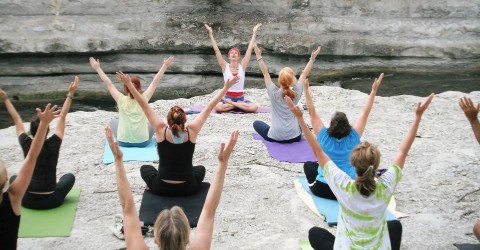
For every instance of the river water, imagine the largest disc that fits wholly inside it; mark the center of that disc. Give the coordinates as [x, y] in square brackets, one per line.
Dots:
[392, 85]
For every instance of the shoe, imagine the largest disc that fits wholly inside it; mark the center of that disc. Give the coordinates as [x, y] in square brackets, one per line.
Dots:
[117, 228]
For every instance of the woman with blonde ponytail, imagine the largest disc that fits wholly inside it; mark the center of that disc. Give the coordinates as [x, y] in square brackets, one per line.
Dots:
[284, 127]
[364, 200]
[176, 176]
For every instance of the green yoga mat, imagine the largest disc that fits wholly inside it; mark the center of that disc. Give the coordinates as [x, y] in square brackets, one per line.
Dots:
[305, 245]
[55, 222]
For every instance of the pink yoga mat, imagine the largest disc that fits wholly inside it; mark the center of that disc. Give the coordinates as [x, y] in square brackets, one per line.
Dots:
[260, 110]
[294, 152]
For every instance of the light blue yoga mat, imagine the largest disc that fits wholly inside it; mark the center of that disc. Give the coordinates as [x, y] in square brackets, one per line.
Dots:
[326, 208]
[148, 153]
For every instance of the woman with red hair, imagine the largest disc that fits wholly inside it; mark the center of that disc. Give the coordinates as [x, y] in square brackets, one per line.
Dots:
[132, 128]
[234, 98]
[285, 128]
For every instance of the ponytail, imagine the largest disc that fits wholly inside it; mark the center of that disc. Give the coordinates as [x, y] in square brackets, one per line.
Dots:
[176, 119]
[286, 78]
[366, 159]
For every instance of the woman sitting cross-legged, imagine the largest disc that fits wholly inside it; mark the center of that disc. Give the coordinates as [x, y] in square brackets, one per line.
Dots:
[284, 127]
[337, 141]
[363, 200]
[176, 175]
[44, 192]
[171, 229]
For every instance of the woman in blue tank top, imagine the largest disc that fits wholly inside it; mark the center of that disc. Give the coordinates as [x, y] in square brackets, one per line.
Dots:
[176, 176]
[337, 141]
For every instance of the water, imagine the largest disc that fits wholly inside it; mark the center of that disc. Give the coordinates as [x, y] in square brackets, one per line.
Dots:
[392, 85]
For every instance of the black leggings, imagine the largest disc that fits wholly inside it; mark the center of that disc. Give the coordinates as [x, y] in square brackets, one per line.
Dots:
[189, 187]
[262, 129]
[321, 238]
[318, 188]
[47, 201]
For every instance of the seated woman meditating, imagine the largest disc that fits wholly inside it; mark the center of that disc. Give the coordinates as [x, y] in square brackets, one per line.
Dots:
[364, 199]
[284, 127]
[132, 128]
[234, 98]
[11, 198]
[44, 192]
[337, 141]
[171, 229]
[176, 175]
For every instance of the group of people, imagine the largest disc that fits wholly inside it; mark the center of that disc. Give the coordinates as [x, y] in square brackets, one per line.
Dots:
[346, 169]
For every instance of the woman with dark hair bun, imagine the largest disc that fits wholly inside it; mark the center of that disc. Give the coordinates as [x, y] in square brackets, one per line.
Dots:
[284, 127]
[337, 141]
[176, 176]
[132, 128]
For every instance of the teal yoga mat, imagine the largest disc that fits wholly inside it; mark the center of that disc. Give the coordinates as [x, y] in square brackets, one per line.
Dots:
[55, 222]
[326, 208]
[148, 153]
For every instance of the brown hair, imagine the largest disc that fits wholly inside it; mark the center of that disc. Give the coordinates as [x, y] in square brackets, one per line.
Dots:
[286, 78]
[172, 229]
[365, 158]
[34, 123]
[136, 83]
[339, 126]
[176, 119]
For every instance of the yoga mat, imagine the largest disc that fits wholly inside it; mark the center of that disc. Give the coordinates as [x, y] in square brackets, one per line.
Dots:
[147, 153]
[198, 109]
[153, 204]
[305, 245]
[324, 208]
[466, 246]
[288, 152]
[55, 222]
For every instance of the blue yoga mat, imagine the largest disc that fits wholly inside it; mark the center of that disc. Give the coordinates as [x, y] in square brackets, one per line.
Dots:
[327, 208]
[147, 153]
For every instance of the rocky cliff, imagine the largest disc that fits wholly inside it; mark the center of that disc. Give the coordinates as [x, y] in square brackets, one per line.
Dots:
[44, 43]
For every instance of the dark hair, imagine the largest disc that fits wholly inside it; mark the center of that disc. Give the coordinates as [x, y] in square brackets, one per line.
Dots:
[365, 158]
[176, 119]
[34, 123]
[339, 126]
[136, 83]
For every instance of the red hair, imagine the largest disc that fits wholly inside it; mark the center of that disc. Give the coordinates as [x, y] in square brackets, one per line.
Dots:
[286, 78]
[136, 83]
[236, 49]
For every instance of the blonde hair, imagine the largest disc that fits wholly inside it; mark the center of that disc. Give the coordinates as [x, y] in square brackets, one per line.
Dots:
[172, 229]
[3, 178]
[286, 78]
[365, 158]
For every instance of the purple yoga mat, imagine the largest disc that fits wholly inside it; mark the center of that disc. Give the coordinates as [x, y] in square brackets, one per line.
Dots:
[294, 152]
[260, 110]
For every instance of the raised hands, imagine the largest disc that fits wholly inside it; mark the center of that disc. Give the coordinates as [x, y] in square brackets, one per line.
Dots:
[48, 114]
[230, 82]
[421, 107]
[226, 151]
[94, 63]
[117, 153]
[73, 86]
[466, 104]
[125, 79]
[168, 61]
[315, 53]
[306, 85]
[256, 28]
[209, 29]
[258, 51]
[3, 94]
[377, 82]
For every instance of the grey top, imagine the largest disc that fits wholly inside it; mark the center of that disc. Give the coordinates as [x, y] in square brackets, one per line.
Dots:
[284, 124]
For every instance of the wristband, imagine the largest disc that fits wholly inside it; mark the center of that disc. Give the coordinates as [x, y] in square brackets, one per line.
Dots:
[258, 59]
[69, 96]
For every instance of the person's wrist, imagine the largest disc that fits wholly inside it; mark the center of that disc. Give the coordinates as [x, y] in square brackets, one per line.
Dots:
[259, 58]
[312, 59]
[70, 96]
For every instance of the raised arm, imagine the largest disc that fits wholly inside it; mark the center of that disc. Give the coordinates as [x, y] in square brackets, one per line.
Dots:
[17, 120]
[196, 125]
[317, 122]
[246, 58]
[309, 65]
[153, 85]
[108, 83]
[131, 223]
[471, 112]
[157, 124]
[20, 184]
[410, 137]
[218, 54]
[322, 158]
[60, 130]
[204, 232]
[262, 65]
[361, 121]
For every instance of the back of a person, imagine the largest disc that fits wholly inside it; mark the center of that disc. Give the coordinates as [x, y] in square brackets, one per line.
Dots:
[284, 124]
[133, 124]
[175, 160]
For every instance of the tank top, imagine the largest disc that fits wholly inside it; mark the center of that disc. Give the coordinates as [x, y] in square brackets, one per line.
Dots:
[227, 75]
[9, 223]
[175, 159]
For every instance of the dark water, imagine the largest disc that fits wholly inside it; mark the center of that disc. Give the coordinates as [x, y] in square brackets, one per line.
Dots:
[392, 85]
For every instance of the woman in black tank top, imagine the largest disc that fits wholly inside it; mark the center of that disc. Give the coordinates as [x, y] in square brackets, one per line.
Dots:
[176, 176]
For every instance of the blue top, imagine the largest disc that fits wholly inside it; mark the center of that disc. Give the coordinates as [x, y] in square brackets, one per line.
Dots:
[339, 151]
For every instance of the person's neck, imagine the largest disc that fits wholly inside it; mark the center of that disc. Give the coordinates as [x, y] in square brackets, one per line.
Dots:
[234, 64]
